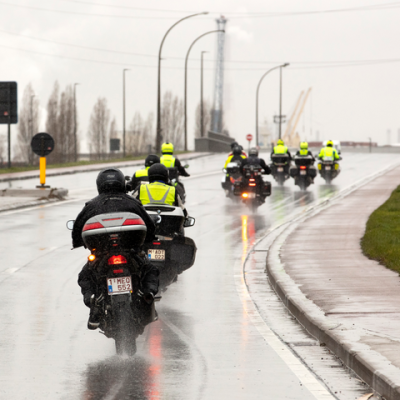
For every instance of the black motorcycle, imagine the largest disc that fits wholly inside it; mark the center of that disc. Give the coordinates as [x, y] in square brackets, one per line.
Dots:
[174, 178]
[328, 169]
[114, 240]
[252, 188]
[172, 253]
[280, 167]
[232, 175]
[303, 172]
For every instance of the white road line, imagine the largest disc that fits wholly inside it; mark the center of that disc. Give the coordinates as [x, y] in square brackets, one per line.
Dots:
[308, 380]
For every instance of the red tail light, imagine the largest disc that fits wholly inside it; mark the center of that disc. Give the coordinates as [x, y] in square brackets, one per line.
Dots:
[114, 260]
[136, 221]
[118, 271]
[303, 167]
[156, 242]
[94, 225]
[252, 179]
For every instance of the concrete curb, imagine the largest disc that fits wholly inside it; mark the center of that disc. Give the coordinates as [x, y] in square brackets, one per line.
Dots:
[15, 176]
[370, 366]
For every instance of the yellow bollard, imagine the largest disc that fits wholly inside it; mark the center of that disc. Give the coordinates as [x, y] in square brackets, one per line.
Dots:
[42, 170]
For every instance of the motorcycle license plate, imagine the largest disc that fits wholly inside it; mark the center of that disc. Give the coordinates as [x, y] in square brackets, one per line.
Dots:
[119, 285]
[328, 167]
[252, 196]
[156, 254]
[280, 169]
[303, 172]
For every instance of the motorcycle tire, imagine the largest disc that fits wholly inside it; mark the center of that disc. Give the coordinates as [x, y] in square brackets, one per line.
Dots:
[125, 337]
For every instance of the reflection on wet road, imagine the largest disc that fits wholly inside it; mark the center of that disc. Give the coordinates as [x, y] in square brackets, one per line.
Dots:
[204, 345]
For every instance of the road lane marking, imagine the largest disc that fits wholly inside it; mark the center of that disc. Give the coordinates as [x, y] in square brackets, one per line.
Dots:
[303, 374]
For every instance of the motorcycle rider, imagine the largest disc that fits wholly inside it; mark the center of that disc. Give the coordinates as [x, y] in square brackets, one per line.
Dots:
[329, 151]
[253, 159]
[304, 150]
[167, 158]
[233, 144]
[158, 191]
[141, 175]
[236, 155]
[280, 148]
[112, 198]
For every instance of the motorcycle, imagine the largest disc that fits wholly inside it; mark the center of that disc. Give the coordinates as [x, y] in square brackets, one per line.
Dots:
[303, 172]
[232, 175]
[114, 240]
[280, 167]
[252, 188]
[172, 253]
[328, 169]
[174, 178]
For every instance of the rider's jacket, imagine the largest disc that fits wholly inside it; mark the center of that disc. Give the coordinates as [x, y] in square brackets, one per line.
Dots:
[171, 162]
[328, 152]
[108, 203]
[232, 158]
[305, 152]
[142, 175]
[254, 160]
[157, 193]
[281, 149]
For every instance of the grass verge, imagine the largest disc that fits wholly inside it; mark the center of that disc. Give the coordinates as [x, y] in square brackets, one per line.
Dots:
[76, 164]
[381, 241]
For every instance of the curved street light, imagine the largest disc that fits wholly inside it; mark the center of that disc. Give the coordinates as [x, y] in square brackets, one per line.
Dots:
[258, 89]
[158, 134]
[186, 62]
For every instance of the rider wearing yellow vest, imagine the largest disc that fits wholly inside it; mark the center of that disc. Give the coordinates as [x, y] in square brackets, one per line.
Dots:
[280, 148]
[304, 150]
[141, 175]
[237, 155]
[167, 159]
[158, 191]
[329, 151]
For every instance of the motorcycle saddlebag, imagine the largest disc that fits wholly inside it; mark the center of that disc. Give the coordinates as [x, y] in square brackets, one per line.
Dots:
[267, 189]
[312, 171]
[105, 231]
[293, 172]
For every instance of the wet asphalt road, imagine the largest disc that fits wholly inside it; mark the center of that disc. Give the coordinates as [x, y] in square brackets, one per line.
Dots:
[203, 347]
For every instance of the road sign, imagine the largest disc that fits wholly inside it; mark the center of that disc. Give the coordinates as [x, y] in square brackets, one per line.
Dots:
[42, 144]
[8, 103]
[115, 144]
[249, 137]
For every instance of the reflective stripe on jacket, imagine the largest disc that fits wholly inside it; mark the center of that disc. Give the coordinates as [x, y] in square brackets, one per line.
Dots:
[280, 149]
[157, 193]
[329, 152]
[142, 172]
[168, 160]
[229, 159]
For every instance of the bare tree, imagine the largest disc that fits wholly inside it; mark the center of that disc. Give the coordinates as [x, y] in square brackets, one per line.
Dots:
[28, 125]
[206, 117]
[172, 120]
[140, 134]
[60, 124]
[99, 128]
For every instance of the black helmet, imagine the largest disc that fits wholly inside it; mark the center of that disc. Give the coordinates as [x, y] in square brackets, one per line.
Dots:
[237, 151]
[151, 159]
[110, 180]
[233, 144]
[158, 172]
[253, 151]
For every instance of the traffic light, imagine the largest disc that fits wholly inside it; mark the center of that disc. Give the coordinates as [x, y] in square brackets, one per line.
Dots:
[8, 103]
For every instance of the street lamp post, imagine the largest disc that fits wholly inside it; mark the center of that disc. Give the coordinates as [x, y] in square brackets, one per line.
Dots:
[123, 110]
[75, 140]
[186, 63]
[201, 97]
[158, 133]
[257, 92]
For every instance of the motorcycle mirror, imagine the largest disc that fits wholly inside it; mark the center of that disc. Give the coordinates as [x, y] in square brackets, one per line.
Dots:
[70, 224]
[189, 221]
[127, 178]
[186, 166]
[224, 170]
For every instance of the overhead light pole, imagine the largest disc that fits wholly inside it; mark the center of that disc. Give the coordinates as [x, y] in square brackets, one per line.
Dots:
[186, 63]
[75, 139]
[123, 110]
[257, 96]
[201, 97]
[159, 128]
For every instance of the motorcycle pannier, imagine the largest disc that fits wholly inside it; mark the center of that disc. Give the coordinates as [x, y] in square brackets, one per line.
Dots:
[106, 231]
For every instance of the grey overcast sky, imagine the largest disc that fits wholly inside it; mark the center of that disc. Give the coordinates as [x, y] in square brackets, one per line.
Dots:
[326, 43]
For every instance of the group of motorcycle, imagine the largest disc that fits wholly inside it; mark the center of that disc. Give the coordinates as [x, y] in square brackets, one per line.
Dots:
[244, 179]
[121, 260]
